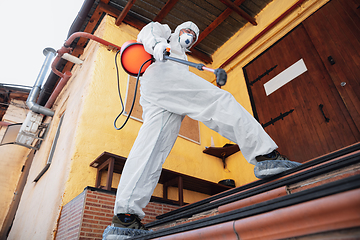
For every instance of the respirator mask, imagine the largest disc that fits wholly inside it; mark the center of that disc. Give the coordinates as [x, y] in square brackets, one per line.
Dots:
[186, 39]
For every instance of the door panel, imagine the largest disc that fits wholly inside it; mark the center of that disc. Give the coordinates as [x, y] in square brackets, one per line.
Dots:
[335, 32]
[304, 133]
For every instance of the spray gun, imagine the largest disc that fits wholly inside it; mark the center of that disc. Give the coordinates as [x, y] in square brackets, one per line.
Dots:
[220, 73]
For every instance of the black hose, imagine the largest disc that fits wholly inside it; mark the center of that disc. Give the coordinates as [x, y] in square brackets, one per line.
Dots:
[121, 101]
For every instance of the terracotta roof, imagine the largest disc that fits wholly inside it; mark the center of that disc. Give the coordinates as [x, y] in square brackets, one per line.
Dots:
[9, 92]
[319, 198]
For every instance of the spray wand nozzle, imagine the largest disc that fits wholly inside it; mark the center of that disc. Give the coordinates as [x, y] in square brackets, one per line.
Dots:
[221, 76]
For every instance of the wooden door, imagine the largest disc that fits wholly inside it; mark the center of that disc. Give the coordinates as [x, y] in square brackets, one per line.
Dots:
[315, 118]
[335, 33]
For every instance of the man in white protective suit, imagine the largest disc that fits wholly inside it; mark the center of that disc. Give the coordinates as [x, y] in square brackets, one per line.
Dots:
[169, 91]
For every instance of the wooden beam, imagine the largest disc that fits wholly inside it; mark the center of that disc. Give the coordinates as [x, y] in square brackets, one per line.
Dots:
[139, 25]
[200, 55]
[181, 191]
[115, 12]
[98, 178]
[239, 11]
[124, 12]
[110, 173]
[165, 10]
[177, 181]
[263, 32]
[217, 22]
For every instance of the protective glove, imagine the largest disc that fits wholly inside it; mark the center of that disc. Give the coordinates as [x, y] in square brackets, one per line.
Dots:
[159, 51]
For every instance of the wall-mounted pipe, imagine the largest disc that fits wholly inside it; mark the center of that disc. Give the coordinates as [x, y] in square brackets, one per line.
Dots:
[89, 36]
[58, 88]
[65, 50]
[34, 93]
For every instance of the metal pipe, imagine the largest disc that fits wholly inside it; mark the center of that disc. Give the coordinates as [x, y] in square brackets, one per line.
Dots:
[34, 93]
[58, 89]
[64, 51]
[66, 48]
[89, 36]
[55, 63]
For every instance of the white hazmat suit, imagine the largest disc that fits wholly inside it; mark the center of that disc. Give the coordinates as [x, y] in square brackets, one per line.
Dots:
[169, 91]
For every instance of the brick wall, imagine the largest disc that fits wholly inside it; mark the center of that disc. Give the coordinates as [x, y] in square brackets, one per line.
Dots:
[70, 218]
[87, 215]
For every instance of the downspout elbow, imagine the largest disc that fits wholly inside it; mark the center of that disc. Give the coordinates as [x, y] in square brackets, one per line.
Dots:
[39, 109]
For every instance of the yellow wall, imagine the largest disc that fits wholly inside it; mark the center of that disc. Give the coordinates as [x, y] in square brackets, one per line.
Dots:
[13, 158]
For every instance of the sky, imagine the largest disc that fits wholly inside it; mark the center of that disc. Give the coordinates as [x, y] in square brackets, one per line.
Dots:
[27, 27]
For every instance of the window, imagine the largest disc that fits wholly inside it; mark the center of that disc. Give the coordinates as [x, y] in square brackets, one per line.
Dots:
[189, 127]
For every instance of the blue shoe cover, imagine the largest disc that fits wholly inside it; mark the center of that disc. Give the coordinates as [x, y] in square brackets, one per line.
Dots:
[269, 168]
[116, 233]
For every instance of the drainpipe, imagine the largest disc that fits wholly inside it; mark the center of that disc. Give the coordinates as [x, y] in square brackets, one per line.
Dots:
[81, 17]
[34, 93]
[64, 77]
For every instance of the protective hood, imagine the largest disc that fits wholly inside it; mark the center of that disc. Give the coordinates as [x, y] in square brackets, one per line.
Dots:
[189, 25]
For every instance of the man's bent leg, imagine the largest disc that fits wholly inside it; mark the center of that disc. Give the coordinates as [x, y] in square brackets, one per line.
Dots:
[144, 164]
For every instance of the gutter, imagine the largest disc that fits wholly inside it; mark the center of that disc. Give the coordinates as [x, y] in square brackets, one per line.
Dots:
[16, 87]
[81, 17]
